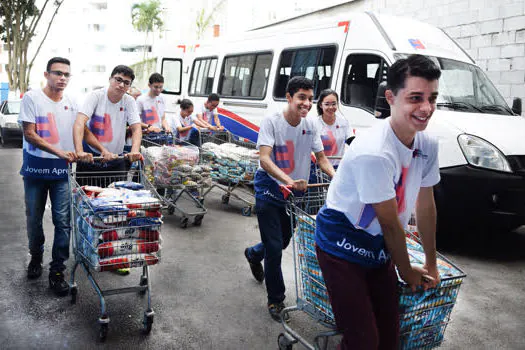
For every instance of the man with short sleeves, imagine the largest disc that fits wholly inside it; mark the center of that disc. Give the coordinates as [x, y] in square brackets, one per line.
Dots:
[207, 116]
[151, 107]
[104, 115]
[48, 116]
[286, 140]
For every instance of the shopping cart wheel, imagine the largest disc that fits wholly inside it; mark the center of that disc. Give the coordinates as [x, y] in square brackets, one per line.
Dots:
[284, 343]
[184, 222]
[73, 291]
[198, 220]
[247, 211]
[225, 199]
[171, 210]
[103, 332]
[148, 323]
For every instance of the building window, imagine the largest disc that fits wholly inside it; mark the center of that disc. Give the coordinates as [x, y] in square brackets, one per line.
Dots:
[94, 68]
[136, 48]
[245, 75]
[100, 5]
[202, 73]
[95, 27]
[314, 63]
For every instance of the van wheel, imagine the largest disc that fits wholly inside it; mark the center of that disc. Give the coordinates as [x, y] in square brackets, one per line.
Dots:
[2, 137]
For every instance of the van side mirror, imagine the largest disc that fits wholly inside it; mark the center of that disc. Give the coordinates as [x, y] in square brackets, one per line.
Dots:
[382, 109]
[516, 106]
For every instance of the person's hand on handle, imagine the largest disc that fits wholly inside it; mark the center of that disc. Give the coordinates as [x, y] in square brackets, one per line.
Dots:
[68, 156]
[299, 185]
[154, 129]
[108, 156]
[434, 273]
[85, 157]
[416, 277]
[133, 156]
[167, 130]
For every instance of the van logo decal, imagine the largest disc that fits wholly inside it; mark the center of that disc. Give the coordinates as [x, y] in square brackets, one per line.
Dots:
[416, 44]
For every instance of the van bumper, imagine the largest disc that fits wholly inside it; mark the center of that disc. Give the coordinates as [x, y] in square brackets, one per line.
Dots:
[483, 194]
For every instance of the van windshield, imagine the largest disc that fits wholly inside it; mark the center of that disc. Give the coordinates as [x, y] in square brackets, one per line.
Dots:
[465, 87]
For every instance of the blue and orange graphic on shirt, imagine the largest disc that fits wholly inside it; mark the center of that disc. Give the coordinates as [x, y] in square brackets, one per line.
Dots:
[284, 157]
[46, 128]
[329, 143]
[368, 214]
[150, 116]
[101, 127]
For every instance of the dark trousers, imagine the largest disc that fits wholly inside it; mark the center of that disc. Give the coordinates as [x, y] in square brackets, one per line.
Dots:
[276, 232]
[364, 301]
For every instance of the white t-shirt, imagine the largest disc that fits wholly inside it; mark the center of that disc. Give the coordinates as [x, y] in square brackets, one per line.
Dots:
[291, 145]
[107, 120]
[180, 121]
[151, 109]
[54, 123]
[207, 115]
[378, 167]
[334, 136]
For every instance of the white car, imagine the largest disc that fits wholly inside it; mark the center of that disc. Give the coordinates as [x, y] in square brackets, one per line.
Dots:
[10, 129]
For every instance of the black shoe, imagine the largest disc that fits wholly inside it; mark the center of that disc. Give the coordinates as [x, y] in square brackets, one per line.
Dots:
[58, 284]
[275, 311]
[257, 268]
[34, 269]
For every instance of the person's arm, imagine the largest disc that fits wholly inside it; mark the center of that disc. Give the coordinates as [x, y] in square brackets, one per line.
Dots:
[136, 138]
[271, 168]
[34, 139]
[325, 164]
[217, 122]
[78, 137]
[184, 128]
[426, 216]
[203, 123]
[395, 241]
[165, 124]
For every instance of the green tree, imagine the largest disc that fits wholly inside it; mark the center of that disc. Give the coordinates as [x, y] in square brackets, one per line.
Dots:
[203, 21]
[20, 19]
[146, 17]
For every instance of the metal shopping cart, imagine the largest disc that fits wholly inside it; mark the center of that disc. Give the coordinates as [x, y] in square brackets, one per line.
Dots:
[234, 162]
[424, 315]
[109, 235]
[174, 168]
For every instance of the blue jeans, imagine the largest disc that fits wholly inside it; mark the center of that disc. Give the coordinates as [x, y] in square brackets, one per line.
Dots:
[36, 191]
[276, 232]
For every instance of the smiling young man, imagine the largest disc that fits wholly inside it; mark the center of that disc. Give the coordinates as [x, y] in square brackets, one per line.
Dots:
[360, 231]
[48, 116]
[207, 116]
[152, 106]
[101, 123]
[286, 140]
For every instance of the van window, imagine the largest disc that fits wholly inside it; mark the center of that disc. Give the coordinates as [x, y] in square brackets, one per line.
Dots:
[313, 63]
[202, 73]
[172, 72]
[362, 75]
[245, 75]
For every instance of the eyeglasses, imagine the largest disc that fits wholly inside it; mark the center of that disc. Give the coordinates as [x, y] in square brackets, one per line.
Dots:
[329, 104]
[119, 80]
[60, 73]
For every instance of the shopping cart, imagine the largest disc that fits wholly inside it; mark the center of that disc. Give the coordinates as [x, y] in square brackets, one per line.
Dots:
[234, 162]
[173, 167]
[424, 315]
[109, 235]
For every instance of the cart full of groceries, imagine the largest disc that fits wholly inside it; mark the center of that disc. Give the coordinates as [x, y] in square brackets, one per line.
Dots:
[116, 223]
[424, 314]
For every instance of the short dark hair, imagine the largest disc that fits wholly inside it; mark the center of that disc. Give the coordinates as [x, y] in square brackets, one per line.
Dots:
[156, 78]
[124, 70]
[413, 65]
[56, 60]
[213, 97]
[297, 83]
[185, 104]
[322, 95]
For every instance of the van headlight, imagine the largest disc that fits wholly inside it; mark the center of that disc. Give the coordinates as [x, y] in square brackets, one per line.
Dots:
[483, 154]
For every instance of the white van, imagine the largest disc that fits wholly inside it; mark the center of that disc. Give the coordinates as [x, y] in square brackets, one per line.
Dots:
[482, 148]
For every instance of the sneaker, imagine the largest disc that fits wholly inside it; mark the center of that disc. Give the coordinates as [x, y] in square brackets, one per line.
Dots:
[34, 269]
[58, 284]
[257, 268]
[125, 271]
[275, 312]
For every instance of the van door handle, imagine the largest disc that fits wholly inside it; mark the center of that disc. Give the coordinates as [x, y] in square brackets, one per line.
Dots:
[246, 104]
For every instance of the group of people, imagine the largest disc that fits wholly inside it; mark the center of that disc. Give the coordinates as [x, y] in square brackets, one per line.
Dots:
[384, 175]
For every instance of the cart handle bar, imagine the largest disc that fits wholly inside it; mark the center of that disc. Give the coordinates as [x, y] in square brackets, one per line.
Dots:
[286, 190]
